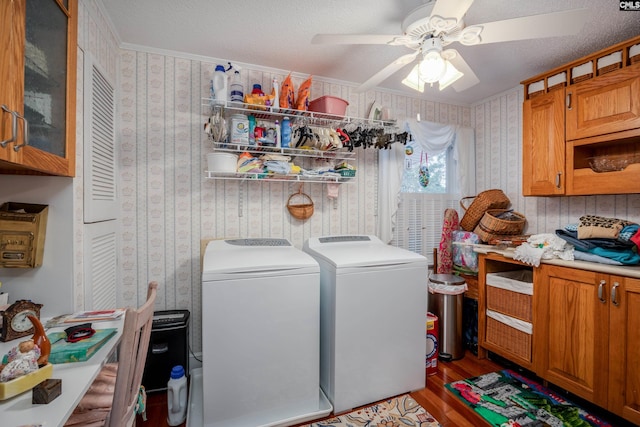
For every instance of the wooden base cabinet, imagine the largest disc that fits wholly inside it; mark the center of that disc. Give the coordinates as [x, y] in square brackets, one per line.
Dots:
[587, 334]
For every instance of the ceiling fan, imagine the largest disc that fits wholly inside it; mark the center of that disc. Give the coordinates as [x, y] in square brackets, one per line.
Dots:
[438, 23]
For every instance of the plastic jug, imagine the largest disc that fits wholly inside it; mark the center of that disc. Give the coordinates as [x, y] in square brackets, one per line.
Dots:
[177, 396]
[219, 89]
[237, 89]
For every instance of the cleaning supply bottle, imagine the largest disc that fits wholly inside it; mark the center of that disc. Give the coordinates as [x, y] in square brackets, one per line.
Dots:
[177, 396]
[285, 132]
[252, 128]
[275, 91]
[278, 134]
[219, 89]
[237, 90]
[257, 89]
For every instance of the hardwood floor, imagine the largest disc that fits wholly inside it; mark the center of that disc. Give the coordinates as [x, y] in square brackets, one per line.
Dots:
[435, 398]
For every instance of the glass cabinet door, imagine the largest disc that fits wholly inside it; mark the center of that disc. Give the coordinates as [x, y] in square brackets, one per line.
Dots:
[45, 76]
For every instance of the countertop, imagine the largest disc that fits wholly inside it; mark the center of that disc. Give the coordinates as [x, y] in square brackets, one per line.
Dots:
[627, 271]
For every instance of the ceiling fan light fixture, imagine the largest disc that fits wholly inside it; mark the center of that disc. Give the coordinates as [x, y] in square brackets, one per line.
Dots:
[451, 74]
[433, 66]
[413, 80]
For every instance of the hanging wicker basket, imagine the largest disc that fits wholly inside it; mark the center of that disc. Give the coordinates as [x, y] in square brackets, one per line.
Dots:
[302, 210]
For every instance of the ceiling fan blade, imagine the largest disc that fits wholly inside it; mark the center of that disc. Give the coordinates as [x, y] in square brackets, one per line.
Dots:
[469, 79]
[563, 23]
[386, 72]
[354, 38]
[451, 9]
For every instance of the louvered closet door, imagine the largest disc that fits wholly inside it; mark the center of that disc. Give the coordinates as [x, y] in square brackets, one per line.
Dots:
[99, 148]
[100, 203]
[100, 275]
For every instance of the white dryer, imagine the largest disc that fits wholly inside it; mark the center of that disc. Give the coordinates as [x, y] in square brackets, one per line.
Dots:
[372, 319]
[260, 334]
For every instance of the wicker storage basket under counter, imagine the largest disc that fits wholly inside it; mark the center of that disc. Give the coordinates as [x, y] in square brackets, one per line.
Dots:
[508, 338]
[511, 293]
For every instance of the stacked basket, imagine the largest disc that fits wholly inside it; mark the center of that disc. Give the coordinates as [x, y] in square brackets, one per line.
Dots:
[488, 216]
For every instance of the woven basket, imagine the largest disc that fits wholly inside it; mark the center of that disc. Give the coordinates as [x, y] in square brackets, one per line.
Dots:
[510, 303]
[300, 211]
[489, 199]
[507, 338]
[491, 227]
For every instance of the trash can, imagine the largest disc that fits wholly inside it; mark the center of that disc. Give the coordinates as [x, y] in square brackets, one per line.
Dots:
[446, 298]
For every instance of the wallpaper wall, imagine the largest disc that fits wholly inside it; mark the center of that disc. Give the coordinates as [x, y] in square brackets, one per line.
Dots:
[168, 207]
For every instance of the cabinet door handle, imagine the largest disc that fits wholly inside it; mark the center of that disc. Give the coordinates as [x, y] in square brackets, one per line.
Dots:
[558, 176]
[614, 294]
[25, 132]
[601, 291]
[14, 126]
[569, 106]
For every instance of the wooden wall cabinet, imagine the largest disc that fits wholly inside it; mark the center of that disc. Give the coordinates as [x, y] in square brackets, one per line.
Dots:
[604, 105]
[586, 336]
[38, 86]
[593, 145]
[543, 144]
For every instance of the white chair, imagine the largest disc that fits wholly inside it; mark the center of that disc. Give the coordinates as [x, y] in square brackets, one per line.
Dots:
[111, 400]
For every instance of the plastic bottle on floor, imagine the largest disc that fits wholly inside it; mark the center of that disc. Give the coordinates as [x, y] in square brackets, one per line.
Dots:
[177, 397]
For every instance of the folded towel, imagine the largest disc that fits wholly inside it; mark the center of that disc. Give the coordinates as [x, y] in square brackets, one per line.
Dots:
[543, 246]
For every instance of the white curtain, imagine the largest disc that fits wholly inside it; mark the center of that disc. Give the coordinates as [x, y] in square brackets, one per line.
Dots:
[434, 138]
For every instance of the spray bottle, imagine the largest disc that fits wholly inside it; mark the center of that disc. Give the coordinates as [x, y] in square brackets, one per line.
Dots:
[236, 92]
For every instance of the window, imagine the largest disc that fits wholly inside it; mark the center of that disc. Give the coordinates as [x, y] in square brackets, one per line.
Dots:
[440, 167]
[420, 214]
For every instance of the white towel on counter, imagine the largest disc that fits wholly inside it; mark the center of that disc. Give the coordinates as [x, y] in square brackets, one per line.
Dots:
[543, 246]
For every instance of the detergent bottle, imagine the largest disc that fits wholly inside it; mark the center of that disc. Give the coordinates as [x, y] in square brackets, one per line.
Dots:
[219, 89]
[177, 396]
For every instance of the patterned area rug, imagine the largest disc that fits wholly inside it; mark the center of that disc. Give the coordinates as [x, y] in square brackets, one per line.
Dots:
[401, 411]
[507, 399]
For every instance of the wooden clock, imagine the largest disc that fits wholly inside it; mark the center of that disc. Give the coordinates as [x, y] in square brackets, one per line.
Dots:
[15, 320]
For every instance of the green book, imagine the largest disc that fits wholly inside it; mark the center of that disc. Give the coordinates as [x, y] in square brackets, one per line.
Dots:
[67, 352]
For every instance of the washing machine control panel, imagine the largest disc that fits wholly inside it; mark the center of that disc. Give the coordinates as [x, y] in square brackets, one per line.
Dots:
[258, 242]
[339, 239]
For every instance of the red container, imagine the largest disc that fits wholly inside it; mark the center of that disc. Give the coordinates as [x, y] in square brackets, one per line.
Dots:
[329, 105]
[432, 344]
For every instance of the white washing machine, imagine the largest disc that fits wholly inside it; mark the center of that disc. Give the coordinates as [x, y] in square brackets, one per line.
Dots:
[372, 319]
[260, 334]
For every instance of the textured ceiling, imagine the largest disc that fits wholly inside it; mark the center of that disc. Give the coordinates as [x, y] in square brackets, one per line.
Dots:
[277, 34]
